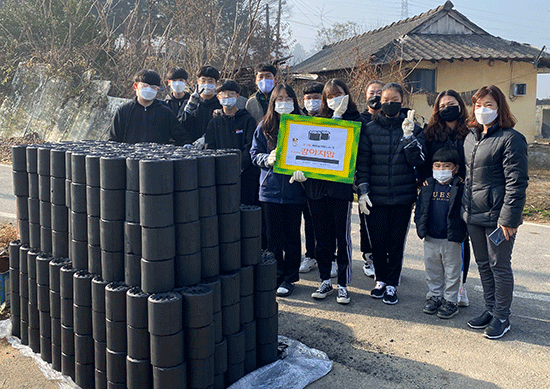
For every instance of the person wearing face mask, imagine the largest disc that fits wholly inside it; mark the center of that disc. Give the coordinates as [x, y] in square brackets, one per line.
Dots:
[258, 103]
[374, 90]
[385, 178]
[145, 119]
[447, 128]
[330, 203]
[197, 111]
[233, 129]
[282, 200]
[176, 80]
[313, 94]
[494, 196]
[438, 222]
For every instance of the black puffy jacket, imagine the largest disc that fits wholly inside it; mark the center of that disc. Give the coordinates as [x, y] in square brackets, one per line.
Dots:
[496, 177]
[456, 228]
[386, 161]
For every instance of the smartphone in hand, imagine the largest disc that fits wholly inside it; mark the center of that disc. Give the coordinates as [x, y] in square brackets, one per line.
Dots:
[497, 236]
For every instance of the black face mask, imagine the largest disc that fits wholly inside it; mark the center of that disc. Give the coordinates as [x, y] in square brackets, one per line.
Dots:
[374, 102]
[391, 109]
[450, 113]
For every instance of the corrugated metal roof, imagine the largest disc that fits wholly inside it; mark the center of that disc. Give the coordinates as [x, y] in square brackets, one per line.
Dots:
[401, 39]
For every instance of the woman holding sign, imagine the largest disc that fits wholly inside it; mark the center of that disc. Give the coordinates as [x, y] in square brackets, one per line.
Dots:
[330, 202]
[386, 184]
[282, 201]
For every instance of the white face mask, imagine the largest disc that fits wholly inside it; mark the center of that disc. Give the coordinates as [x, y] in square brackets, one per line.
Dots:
[312, 106]
[485, 115]
[177, 86]
[147, 93]
[208, 89]
[284, 106]
[228, 102]
[335, 102]
[266, 85]
[443, 176]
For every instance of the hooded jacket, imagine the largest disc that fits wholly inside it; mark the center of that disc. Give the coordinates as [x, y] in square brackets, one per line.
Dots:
[456, 228]
[175, 104]
[194, 126]
[134, 123]
[386, 161]
[496, 177]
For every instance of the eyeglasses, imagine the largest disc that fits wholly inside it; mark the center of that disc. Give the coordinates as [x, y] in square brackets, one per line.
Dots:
[145, 85]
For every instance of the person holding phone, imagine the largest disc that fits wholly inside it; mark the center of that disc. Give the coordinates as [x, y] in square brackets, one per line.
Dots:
[493, 200]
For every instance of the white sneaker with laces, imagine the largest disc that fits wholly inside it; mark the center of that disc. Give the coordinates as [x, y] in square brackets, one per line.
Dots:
[334, 270]
[368, 267]
[463, 300]
[343, 295]
[307, 265]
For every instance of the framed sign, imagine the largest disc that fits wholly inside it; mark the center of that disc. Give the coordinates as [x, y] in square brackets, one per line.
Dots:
[321, 148]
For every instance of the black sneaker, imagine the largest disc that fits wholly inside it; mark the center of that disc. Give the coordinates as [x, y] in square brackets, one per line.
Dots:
[390, 295]
[343, 295]
[447, 310]
[378, 291]
[323, 290]
[432, 305]
[496, 328]
[480, 322]
[285, 289]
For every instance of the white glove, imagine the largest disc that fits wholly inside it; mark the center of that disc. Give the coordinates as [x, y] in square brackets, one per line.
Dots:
[297, 176]
[272, 157]
[342, 107]
[199, 143]
[363, 202]
[408, 124]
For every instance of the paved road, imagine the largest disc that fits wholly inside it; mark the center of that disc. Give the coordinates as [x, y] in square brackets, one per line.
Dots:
[376, 345]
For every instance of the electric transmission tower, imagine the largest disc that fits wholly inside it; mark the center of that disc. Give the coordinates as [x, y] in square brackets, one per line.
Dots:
[404, 9]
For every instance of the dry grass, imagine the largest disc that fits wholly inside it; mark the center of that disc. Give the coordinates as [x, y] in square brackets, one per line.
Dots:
[7, 143]
[8, 233]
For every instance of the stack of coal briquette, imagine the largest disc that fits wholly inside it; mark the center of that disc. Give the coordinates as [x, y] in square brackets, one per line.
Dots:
[137, 266]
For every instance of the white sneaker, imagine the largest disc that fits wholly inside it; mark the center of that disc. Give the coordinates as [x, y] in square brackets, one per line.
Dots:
[307, 265]
[334, 270]
[368, 267]
[463, 296]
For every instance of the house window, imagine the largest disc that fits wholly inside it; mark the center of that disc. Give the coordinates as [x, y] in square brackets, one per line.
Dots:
[422, 80]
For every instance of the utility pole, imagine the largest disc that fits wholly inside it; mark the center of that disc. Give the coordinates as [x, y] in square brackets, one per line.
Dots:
[277, 51]
[267, 30]
[404, 9]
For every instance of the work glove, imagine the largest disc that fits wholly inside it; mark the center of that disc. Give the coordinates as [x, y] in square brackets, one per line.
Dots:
[199, 143]
[342, 107]
[188, 146]
[193, 102]
[272, 157]
[297, 176]
[408, 124]
[363, 202]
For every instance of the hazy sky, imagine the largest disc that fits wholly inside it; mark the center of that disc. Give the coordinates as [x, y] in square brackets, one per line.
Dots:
[524, 21]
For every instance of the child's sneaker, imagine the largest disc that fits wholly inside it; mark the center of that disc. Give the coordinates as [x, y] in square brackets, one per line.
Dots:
[368, 267]
[323, 290]
[432, 305]
[307, 265]
[447, 310]
[390, 295]
[379, 290]
[343, 295]
[463, 296]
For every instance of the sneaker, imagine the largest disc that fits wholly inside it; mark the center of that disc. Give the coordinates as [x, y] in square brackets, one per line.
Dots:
[343, 295]
[497, 328]
[334, 270]
[480, 322]
[285, 289]
[378, 291]
[463, 297]
[368, 267]
[432, 305]
[323, 290]
[307, 265]
[390, 295]
[447, 310]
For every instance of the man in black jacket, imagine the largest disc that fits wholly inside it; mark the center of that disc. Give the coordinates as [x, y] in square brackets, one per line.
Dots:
[197, 111]
[234, 129]
[145, 119]
[176, 79]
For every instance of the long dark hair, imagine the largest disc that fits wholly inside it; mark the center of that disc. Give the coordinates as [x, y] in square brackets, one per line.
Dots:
[270, 122]
[505, 117]
[330, 87]
[437, 129]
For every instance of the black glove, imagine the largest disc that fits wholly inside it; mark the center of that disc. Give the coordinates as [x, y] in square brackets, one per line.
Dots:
[193, 102]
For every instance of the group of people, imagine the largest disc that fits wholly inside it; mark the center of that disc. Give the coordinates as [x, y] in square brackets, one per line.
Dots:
[464, 174]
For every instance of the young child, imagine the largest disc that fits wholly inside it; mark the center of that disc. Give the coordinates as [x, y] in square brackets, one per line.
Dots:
[438, 222]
